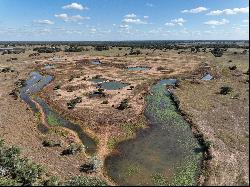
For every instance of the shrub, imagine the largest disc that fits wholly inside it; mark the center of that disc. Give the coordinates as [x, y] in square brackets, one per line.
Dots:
[51, 143]
[98, 93]
[4, 181]
[225, 90]
[52, 181]
[26, 172]
[105, 102]
[73, 149]
[17, 170]
[57, 87]
[101, 48]
[217, 52]
[71, 78]
[123, 105]
[72, 103]
[131, 87]
[74, 49]
[87, 168]
[160, 68]
[97, 77]
[233, 67]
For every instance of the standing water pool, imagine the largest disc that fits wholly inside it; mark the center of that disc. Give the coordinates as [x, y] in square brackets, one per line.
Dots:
[165, 154]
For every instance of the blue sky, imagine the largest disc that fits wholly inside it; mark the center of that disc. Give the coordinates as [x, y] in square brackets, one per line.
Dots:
[124, 19]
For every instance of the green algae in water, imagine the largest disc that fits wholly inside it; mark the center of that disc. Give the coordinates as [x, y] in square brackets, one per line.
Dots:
[165, 155]
[52, 120]
[112, 85]
[138, 68]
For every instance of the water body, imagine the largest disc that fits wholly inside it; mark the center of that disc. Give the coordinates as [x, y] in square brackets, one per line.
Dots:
[165, 154]
[36, 83]
[207, 77]
[112, 85]
[96, 62]
[138, 68]
[48, 66]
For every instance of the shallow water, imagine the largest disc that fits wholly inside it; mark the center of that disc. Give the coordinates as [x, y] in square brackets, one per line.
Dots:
[36, 83]
[89, 143]
[137, 68]
[166, 154]
[48, 66]
[112, 85]
[95, 62]
[207, 77]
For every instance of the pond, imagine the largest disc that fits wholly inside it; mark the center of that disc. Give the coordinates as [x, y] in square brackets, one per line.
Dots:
[165, 154]
[96, 62]
[207, 77]
[112, 85]
[49, 66]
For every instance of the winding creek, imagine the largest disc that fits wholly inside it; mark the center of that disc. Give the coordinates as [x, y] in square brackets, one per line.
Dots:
[36, 83]
[165, 154]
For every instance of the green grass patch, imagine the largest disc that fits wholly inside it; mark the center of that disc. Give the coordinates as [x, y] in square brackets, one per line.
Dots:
[131, 128]
[60, 132]
[112, 142]
[52, 120]
[186, 174]
[38, 116]
[132, 169]
[159, 179]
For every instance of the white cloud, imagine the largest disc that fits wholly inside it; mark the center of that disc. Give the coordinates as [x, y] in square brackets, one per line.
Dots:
[44, 22]
[134, 21]
[169, 24]
[130, 15]
[145, 17]
[75, 6]
[124, 26]
[208, 32]
[195, 10]
[229, 11]
[178, 21]
[149, 5]
[93, 30]
[67, 18]
[216, 22]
